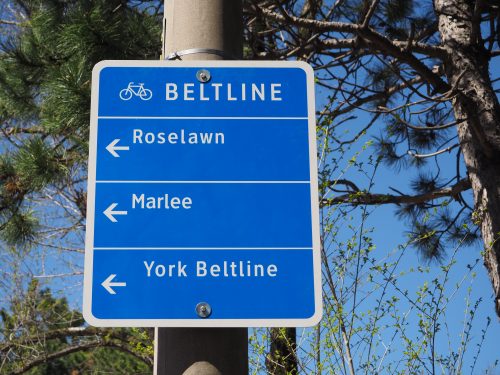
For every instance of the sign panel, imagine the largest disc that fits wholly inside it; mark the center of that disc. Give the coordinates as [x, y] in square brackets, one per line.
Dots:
[202, 206]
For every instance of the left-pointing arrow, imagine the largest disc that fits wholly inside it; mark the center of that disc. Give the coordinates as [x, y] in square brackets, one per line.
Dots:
[110, 213]
[108, 283]
[112, 148]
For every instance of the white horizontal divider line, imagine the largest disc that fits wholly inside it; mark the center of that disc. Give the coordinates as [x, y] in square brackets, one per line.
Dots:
[196, 118]
[203, 248]
[197, 182]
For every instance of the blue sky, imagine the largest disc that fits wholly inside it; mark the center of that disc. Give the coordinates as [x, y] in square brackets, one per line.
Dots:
[474, 291]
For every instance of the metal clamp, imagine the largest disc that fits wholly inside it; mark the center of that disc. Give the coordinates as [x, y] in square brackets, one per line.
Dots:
[178, 54]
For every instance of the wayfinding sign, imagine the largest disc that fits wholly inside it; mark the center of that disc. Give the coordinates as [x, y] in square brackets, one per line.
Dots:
[202, 195]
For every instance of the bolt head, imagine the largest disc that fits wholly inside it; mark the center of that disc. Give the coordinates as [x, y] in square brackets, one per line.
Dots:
[203, 75]
[203, 310]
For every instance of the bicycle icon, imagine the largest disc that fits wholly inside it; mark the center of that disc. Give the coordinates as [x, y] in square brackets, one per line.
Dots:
[136, 90]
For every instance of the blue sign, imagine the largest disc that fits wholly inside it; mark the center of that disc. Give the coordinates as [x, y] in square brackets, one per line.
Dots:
[202, 195]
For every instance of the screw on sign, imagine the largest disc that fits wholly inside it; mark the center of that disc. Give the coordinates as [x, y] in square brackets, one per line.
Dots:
[203, 75]
[203, 310]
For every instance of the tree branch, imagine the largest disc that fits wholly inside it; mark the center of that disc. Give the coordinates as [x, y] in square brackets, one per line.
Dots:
[364, 198]
[303, 22]
[62, 333]
[427, 49]
[369, 13]
[8, 22]
[367, 34]
[370, 98]
[439, 152]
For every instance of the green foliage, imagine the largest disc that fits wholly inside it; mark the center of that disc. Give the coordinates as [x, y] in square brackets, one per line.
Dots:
[45, 80]
[21, 229]
[398, 10]
[398, 17]
[381, 77]
[380, 317]
[383, 315]
[425, 183]
[37, 164]
[38, 325]
[387, 152]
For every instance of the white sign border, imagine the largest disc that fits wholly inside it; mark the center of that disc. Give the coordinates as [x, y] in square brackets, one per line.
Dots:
[91, 185]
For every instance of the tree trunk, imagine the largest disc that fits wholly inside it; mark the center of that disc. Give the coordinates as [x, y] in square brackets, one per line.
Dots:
[477, 112]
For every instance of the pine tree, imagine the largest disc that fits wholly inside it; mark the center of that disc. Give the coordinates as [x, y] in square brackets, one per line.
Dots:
[46, 57]
[419, 70]
[45, 98]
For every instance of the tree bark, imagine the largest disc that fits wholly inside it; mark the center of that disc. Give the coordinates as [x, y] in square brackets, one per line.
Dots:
[477, 111]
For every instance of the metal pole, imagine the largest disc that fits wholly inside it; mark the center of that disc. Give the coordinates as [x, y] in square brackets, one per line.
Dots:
[225, 349]
[202, 30]
[203, 24]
